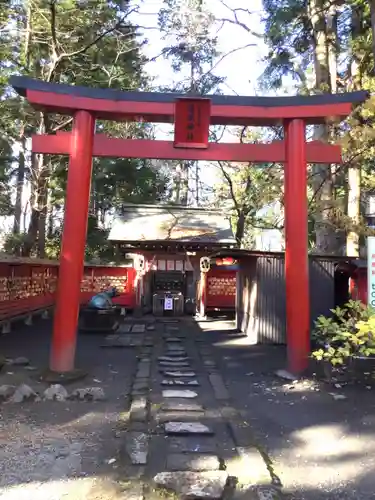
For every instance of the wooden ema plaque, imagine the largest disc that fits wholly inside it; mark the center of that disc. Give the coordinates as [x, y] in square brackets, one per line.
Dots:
[192, 122]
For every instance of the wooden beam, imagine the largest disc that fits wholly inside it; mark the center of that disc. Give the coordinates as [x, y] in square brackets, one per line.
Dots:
[59, 144]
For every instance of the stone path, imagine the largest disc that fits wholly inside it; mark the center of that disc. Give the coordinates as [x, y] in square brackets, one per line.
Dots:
[182, 433]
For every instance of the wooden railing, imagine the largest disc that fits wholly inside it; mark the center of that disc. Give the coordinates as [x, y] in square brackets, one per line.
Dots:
[28, 286]
[221, 289]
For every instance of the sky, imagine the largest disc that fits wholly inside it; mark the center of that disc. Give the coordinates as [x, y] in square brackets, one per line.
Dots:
[241, 68]
[240, 59]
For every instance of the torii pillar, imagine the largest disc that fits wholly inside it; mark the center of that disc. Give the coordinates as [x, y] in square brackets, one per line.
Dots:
[191, 142]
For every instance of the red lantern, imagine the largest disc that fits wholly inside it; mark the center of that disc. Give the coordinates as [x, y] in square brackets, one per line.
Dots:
[228, 261]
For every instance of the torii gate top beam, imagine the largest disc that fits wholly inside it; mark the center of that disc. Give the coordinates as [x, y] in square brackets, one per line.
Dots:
[116, 105]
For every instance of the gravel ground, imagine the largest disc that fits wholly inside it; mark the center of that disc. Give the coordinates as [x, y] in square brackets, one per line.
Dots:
[52, 450]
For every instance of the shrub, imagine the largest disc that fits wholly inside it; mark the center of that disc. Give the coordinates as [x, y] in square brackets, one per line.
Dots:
[349, 333]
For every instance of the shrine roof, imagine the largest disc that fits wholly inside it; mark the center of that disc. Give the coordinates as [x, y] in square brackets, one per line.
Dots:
[160, 225]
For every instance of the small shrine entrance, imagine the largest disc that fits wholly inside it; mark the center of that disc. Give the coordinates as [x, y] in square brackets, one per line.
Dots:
[192, 118]
[170, 242]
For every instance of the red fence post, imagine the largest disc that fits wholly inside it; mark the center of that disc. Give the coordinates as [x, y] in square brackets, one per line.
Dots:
[296, 249]
[73, 243]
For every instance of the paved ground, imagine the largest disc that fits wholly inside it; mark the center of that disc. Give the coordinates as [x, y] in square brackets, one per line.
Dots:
[253, 433]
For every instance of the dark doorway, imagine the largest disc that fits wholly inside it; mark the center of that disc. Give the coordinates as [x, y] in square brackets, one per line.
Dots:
[341, 284]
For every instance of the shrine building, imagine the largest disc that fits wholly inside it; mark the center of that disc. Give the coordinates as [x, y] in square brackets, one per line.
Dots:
[168, 243]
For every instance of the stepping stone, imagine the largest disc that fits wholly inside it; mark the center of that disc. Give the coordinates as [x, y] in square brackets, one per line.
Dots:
[220, 390]
[187, 428]
[173, 359]
[138, 409]
[122, 341]
[175, 365]
[173, 347]
[173, 354]
[137, 447]
[181, 406]
[124, 328]
[143, 370]
[180, 382]
[140, 385]
[192, 462]
[178, 374]
[138, 328]
[233, 364]
[209, 485]
[192, 444]
[186, 394]
[209, 363]
[172, 340]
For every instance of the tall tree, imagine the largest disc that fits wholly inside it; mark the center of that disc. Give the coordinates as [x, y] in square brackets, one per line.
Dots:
[58, 42]
[191, 46]
[318, 44]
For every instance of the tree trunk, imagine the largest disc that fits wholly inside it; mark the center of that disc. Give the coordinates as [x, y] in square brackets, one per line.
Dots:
[326, 241]
[51, 225]
[20, 181]
[25, 54]
[372, 10]
[240, 229]
[353, 210]
[32, 232]
[42, 207]
[184, 183]
[197, 184]
[354, 169]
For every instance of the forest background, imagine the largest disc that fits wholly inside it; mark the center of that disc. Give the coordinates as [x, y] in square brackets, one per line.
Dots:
[275, 47]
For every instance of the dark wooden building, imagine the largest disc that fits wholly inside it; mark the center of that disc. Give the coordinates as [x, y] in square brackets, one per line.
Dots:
[260, 297]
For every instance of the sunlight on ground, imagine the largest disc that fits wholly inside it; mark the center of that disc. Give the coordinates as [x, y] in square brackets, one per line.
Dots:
[70, 489]
[234, 342]
[325, 455]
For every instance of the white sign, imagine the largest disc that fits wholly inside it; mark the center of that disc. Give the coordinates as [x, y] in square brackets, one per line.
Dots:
[170, 265]
[371, 271]
[168, 304]
[179, 265]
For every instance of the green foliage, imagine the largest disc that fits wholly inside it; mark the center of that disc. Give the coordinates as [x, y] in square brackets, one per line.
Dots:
[187, 29]
[349, 333]
[79, 43]
[252, 192]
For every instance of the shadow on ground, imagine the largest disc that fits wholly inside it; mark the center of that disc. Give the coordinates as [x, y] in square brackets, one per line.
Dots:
[320, 447]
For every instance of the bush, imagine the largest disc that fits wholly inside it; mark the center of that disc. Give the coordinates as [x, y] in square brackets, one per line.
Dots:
[349, 333]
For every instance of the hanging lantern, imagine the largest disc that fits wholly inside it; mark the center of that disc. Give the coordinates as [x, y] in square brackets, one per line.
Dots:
[205, 264]
[228, 261]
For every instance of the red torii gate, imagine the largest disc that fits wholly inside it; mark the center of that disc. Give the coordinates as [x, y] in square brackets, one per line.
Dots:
[191, 142]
